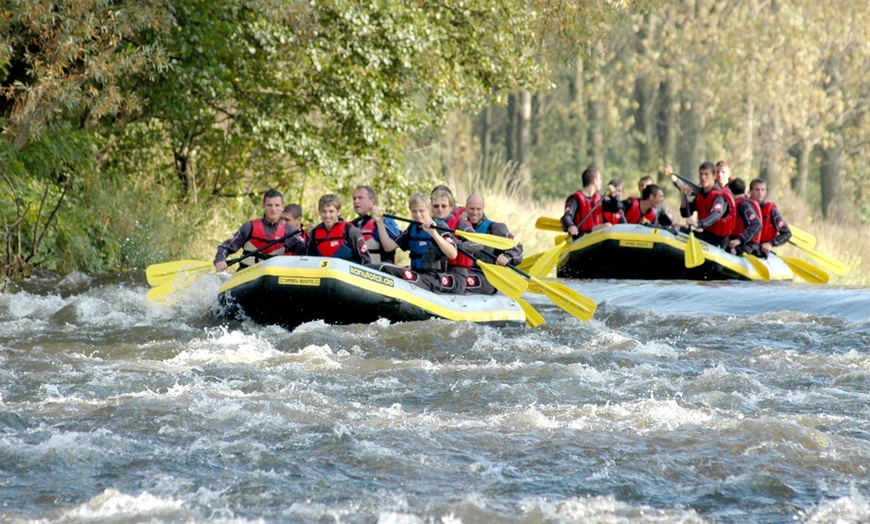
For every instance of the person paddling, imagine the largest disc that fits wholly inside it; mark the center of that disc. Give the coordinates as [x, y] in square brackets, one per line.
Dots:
[745, 237]
[430, 248]
[364, 200]
[256, 234]
[476, 281]
[715, 207]
[583, 209]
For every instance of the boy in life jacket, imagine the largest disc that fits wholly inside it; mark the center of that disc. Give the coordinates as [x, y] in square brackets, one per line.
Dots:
[774, 229]
[292, 216]
[746, 236]
[334, 237]
[258, 233]
[430, 248]
[715, 207]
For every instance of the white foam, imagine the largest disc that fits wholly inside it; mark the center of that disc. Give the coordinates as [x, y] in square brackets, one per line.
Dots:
[603, 509]
[852, 508]
[226, 347]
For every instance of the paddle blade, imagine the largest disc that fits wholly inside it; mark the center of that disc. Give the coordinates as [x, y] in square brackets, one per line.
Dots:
[694, 252]
[576, 304]
[547, 261]
[828, 262]
[805, 270]
[801, 237]
[504, 279]
[164, 272]
[167, 293]
[549, 224]
[533, 318]
[759, 266]
[493, 241]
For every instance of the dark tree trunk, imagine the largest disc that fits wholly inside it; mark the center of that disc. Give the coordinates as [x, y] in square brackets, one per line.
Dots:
[485, 138]
[801, 152]
[833, 160]
[578, 107]
[667, 124]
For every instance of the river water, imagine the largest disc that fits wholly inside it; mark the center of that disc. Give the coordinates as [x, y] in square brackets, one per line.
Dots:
[679, 402]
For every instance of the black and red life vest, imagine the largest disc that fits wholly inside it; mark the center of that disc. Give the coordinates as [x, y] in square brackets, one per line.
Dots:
[461, 260]
[332, 243]
[259, 239]
[768, 228]
[705, 204]
[584, 206]
[740, 226]
[633, 214]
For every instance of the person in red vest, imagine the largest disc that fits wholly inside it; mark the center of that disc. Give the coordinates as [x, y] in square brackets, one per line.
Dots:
[644, 210]
[745, 237]
[715, 207]
[364, 202]
[611, 207]
[583, 209]
[334, 237]
[256, 234]
[774, 229]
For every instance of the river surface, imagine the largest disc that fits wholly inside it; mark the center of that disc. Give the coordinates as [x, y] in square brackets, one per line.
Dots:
[680, 402]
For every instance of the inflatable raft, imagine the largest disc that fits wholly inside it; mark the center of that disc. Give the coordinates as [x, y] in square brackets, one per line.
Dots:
[291, 290]
[633, 251]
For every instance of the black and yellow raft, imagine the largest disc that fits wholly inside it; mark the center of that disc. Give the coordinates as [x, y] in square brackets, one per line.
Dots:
[633, 251]
[291, 290]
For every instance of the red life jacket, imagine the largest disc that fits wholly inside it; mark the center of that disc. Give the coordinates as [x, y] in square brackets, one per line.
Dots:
[331, 243]
[584, 206]
[461, 260]
[704, 204]
[259, 238]
[610, 216]
[768, 228]
[634, 216]
[739, 226]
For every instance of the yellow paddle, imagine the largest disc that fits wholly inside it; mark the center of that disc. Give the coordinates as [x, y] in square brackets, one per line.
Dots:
[805, 270]
[694, 254]
[186, 272]
[493, 241]
[549, 224]
[802, 237]
[503, 279]
[759, 266]
[547, 260]
[576, 304]
[828, 262]
[164, 272]
[512, 285]
[533, 318]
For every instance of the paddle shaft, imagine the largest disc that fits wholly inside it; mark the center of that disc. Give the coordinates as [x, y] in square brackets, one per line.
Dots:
[439, 228]
[589, 214]
[260, 250]
[695, 187]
